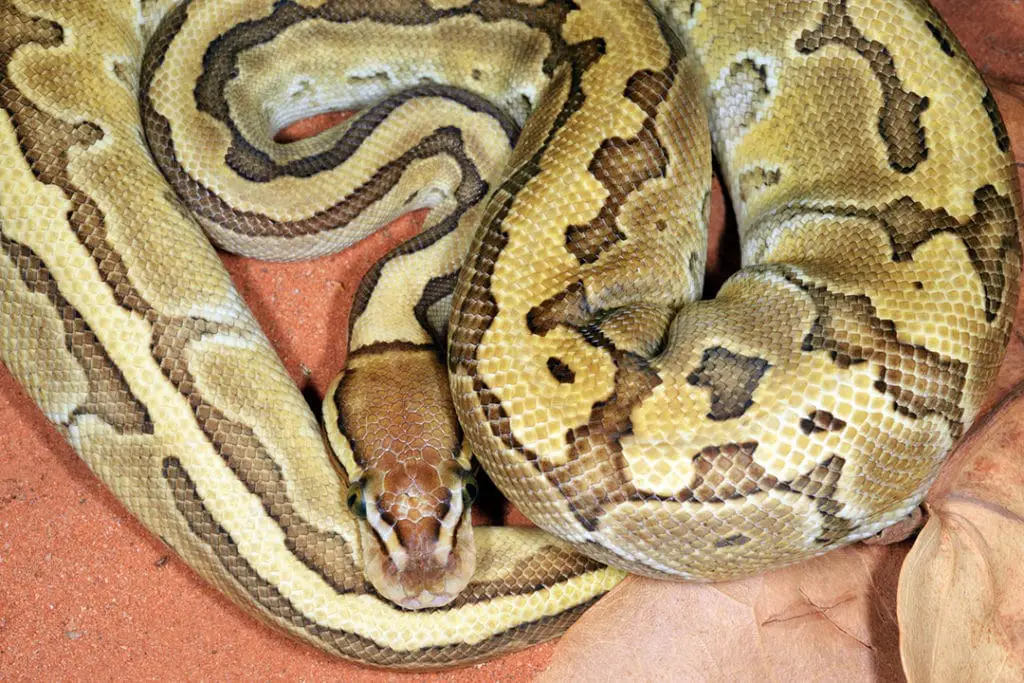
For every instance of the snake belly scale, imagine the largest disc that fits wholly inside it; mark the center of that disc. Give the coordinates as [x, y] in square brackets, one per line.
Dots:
[563, 149]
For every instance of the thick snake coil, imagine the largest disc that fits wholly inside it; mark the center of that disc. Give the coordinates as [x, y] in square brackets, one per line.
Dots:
[565, 145]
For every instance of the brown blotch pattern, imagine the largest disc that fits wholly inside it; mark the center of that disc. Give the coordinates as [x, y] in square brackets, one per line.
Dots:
[899, 118]
[595, 473]
[109, 398]
[998, 127]
[725, 473]
[729, 472]
[220, 63]
[323, 552]
[250, 162]
[990, 235]
[732, 541]
[45, 142]
[919, 381]
[751, 79]
[754, 180]
[940, 37]
[623, 165]
[821, 421]
[561, 371]
[431, 311]
[255, 165]
[820, 485]
[732, 377]
[569, 308]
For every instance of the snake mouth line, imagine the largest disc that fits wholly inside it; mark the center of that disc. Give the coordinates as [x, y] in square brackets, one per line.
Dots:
[427, 600]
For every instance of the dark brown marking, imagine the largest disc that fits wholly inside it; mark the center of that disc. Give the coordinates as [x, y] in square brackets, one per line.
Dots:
[990, 235]
[569, 307]
[940, 37]
[899, 118]
[109, 398]
[622, 166]
[240, 448]
[821, 421]
[45, 142]
[750, 78]
[594, 474]
[380, 348]
[820, 484]
[276, 608]
[726, 472]
[124, 72]
[246, 455]
[431, 312]
[732, 377]
[732, 541]
[250, 162]
[998, 127]
[560, 371]
[919, 381]
[220, 66]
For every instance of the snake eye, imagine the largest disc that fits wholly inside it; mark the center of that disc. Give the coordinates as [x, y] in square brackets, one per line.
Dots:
[470, 490]
[356, 502]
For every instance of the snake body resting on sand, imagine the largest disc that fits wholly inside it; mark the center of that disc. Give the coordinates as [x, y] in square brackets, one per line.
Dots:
[564, 146]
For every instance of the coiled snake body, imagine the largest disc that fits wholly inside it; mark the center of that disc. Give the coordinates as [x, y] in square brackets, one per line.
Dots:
[565, 145]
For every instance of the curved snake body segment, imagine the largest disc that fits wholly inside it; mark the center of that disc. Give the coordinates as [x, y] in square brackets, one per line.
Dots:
[809, 405]
[119, 320]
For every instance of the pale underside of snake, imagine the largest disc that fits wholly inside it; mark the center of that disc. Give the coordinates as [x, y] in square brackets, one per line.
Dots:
[564, 146]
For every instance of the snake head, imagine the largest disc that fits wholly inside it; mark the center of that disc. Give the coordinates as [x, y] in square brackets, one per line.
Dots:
[411, 485]
[417, 540]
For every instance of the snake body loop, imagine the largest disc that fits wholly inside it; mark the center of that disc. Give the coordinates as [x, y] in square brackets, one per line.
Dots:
[547, 318]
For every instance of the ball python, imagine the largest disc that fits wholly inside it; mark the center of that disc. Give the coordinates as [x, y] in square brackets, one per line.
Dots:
[547, 319]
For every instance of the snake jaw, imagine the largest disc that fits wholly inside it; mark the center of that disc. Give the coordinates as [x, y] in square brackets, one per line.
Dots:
[418, 562]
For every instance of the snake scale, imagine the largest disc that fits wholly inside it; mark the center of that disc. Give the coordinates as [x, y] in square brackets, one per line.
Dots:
[547, 319]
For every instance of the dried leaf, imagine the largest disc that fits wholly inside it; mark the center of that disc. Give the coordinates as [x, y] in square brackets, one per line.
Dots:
[961, 593]
[824, 620]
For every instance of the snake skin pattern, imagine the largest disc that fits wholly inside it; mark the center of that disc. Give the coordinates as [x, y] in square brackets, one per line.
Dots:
[563, 149]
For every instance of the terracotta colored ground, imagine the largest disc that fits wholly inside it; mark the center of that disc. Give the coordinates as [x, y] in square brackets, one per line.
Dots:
[87, 594]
